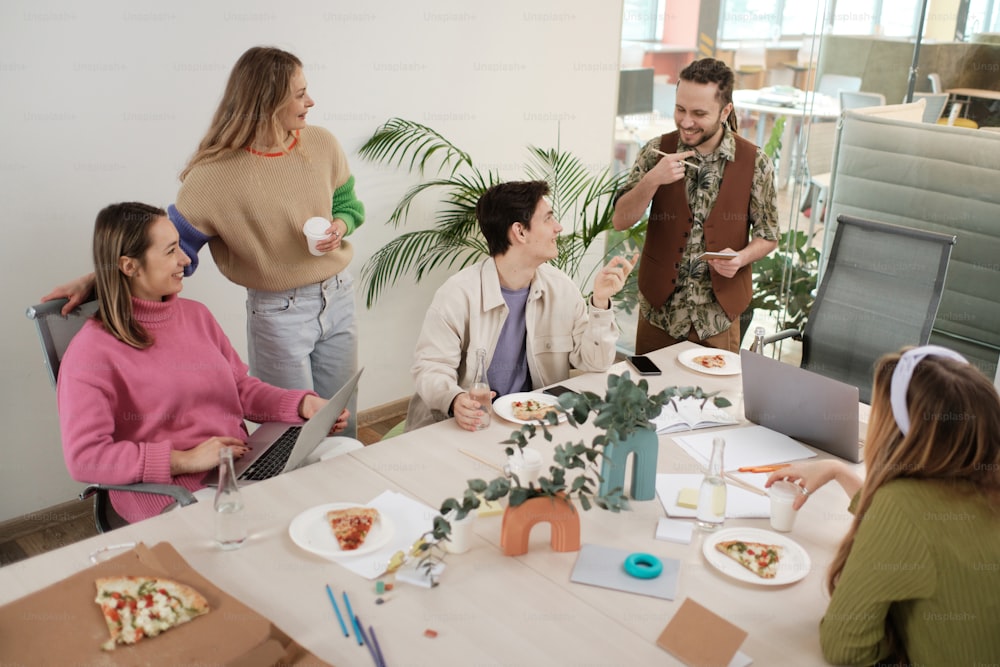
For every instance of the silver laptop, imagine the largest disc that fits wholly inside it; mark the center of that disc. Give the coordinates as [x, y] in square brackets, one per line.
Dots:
[276, 447]
[801, 404]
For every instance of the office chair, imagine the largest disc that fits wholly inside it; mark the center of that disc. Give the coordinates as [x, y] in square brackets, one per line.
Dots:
[54, 334]
[853, 99]
[881, 291]
[934, 105]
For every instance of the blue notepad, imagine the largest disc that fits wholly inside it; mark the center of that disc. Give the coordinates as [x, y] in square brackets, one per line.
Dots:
[605, 567]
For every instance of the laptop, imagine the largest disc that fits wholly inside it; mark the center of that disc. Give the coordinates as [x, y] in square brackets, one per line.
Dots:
[276, 447]
[803, 405]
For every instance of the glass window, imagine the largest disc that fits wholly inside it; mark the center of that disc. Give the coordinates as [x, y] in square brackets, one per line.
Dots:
[854, 17]
[979, 19]
[750, 19]
[899, 18]
[640, 20]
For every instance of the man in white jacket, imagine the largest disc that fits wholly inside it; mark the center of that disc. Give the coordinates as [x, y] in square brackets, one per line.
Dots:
[528, 315]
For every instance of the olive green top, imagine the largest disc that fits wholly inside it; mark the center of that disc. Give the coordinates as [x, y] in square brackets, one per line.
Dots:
[926, 555]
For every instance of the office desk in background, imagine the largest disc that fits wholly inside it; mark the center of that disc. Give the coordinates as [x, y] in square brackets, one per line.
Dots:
[488, 608]
[812, 105]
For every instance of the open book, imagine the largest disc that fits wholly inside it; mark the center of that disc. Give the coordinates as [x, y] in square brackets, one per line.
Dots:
[689, 414]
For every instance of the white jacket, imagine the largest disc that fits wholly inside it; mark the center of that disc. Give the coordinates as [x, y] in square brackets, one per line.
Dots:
[468, 312]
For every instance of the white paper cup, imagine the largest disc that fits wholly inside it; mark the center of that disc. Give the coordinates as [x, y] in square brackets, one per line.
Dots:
[461, 533]
[783, 494]
[315, 230]
[526, 464]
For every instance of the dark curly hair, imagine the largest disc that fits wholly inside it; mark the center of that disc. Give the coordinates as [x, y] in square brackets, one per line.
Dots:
[710, 70]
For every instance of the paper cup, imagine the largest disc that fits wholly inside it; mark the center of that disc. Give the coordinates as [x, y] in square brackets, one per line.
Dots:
[526, 464]
[783, 494]
[315, 230]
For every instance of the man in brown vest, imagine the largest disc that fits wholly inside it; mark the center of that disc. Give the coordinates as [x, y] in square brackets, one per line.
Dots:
[709, 188]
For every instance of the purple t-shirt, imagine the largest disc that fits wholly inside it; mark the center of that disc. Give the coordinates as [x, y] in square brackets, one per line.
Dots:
[508, 371]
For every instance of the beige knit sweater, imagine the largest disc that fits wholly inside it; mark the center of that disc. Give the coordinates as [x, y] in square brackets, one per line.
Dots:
[253, 206]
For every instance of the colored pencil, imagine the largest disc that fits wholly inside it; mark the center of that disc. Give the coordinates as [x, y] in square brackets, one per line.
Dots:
[770, 468]
[336, 608]
[684, 162]
[378, 649]
[354, 619]
[368, 644]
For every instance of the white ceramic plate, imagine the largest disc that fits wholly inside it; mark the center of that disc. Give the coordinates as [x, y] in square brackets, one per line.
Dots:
[503, 406]
[311, 531]
[732, 361]
[793, 566]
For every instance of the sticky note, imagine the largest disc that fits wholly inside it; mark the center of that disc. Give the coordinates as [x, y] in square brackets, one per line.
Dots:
[673, 530]
[688, 498]
[489, 507]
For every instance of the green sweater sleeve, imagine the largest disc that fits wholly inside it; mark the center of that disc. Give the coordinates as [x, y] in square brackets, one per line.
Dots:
[890, 562]
[347, 206]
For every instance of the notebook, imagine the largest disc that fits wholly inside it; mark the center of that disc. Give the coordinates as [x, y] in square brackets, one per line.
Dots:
[277, 447]
[803, 405]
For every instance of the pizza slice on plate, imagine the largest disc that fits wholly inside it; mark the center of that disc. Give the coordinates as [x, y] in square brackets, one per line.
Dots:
[351, 526]
[711, 361]
[761, 559]
[531, 409]
[138, 607]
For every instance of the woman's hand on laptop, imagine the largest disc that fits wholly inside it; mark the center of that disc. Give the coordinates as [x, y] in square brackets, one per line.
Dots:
[341, 422]
[204, 456]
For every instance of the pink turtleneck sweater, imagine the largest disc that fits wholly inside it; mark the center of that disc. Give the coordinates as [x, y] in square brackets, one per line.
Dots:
[122, 410]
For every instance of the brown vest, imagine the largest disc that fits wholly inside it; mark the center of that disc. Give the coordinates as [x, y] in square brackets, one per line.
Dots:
[728, 225]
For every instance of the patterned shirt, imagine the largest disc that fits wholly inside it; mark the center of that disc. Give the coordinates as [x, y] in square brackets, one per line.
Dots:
[693, 302]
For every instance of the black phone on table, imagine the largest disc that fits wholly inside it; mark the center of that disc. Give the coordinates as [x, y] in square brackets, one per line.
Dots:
[644, 365]
[557, 390]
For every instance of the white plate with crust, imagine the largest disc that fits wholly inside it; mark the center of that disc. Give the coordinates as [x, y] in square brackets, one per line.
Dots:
[311, 531]
[731, 361]
[793, 564]
[504, 405]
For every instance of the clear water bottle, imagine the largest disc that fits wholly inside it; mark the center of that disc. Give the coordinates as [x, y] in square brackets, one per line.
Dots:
[480, 390]
[712, 495]
[758, 341]
[230, 522]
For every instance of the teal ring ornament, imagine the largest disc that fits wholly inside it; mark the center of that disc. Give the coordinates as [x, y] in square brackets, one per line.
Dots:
[643, 566]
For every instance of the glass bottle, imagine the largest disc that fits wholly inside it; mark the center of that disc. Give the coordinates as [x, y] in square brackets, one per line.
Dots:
[758, 341]
[712, 496]
[230, 522]
[480, 390]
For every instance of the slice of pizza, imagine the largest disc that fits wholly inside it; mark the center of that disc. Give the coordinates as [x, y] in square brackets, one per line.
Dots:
[351, 526]
[531, 409]
[138, 607]
[711, 361]
[761, 559]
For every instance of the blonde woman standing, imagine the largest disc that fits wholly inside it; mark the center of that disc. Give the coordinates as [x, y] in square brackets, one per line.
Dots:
[258, 174]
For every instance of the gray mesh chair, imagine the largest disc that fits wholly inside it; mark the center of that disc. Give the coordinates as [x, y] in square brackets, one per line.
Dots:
[854, 99]
[881, 291]
[934, 105]
[54, 334]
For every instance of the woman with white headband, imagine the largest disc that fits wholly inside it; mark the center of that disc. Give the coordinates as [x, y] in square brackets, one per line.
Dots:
[917, 578]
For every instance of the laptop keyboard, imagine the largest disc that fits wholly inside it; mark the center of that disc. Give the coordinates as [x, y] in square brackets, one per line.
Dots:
[274, 459]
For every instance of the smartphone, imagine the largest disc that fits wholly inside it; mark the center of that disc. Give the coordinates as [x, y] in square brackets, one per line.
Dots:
[557, 390]
[644, 365]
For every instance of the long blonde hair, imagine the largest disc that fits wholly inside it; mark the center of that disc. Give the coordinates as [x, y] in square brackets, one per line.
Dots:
[121, 230]
[954, 434]
[259, 87]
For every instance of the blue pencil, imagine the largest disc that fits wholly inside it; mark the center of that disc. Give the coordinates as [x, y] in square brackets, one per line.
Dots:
[368, 644]
[354, 619]
[340, 618]
[378, 649]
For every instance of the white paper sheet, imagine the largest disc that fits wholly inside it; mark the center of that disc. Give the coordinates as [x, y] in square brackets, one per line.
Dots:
[746, 446]
[740, 503]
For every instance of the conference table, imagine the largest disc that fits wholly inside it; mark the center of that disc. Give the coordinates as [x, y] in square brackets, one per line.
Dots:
[488, 608]
[798, 107]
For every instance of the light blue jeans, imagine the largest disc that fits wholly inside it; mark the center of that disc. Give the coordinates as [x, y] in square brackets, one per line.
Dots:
[306, 338]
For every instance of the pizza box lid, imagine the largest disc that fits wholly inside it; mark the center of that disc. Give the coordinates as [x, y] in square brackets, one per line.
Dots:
[61, 624]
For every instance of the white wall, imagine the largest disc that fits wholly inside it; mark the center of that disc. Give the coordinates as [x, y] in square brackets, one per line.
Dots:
[104, 101]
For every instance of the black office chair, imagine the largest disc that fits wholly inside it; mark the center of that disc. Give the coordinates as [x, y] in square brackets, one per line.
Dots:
[54, 334]
[881, 291]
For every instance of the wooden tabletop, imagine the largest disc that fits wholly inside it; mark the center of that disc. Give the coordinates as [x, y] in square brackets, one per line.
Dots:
[488, 608]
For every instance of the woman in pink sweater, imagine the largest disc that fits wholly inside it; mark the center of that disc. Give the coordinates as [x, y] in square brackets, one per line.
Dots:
[150, 390]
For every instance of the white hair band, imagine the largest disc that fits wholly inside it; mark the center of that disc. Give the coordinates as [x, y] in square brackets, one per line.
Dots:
[904, 371]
